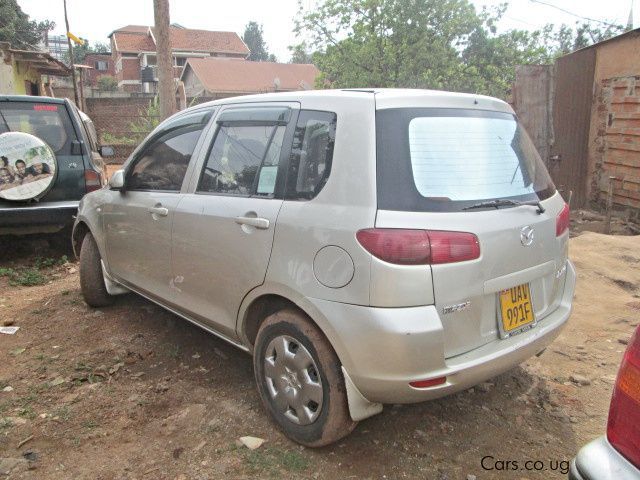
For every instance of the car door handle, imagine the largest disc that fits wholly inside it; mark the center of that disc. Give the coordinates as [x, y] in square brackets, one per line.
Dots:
[261, 223]
[160, 211]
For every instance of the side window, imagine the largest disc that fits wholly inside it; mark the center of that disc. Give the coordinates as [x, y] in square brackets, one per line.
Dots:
[163, 164]
[311, 154]
[243, 160]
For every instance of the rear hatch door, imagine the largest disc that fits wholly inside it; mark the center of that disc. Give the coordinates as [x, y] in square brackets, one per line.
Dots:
[444, 170]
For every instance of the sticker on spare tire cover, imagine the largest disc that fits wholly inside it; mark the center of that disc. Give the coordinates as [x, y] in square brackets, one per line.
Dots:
[27, 166]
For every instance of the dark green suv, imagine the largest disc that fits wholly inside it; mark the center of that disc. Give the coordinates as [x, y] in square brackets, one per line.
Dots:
[79, 167]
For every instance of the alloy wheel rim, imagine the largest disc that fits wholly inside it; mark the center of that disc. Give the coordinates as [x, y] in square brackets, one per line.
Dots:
[293, 380]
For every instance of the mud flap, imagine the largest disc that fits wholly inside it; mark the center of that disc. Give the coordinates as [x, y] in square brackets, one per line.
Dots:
[359, 407]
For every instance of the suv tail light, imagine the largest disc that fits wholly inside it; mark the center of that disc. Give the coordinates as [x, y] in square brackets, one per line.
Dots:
[562, 221]
[623, 429]
[92, 180]
[419, 247]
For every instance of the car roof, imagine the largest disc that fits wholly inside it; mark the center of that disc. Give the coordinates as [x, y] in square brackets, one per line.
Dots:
[384, 97]
[30, 98]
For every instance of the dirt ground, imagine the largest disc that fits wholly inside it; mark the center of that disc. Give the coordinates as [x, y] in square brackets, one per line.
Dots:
[133, 392]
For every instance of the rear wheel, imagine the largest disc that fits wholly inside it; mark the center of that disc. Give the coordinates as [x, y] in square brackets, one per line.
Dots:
[300, 380]
[92, 284]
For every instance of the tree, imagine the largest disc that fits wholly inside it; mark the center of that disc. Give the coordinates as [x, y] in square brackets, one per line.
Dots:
[18, 30]
[300, 54]
[253, 37]
[565, 39]
[438, 44]
[107, 83]
[389, 43]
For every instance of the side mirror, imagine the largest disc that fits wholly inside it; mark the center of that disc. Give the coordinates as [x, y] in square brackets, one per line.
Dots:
[107, 151]
[116, 182]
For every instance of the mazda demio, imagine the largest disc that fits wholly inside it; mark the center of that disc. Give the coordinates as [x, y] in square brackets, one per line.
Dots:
[366, 247]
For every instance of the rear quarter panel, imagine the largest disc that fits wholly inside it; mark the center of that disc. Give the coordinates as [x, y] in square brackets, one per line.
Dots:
[346, 204]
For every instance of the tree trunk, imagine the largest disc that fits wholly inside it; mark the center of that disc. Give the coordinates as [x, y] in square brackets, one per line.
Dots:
[166, 90]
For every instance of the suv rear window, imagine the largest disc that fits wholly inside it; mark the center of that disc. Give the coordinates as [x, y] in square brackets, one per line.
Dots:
[449, 159]
[47, 121]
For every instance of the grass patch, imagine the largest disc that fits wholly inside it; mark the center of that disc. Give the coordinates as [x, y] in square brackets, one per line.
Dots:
[89, 424]
[63, 413]
[33, 275]
[271, 461]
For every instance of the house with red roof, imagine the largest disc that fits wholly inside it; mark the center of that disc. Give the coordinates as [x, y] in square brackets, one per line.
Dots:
[212, 78]
[134, 52]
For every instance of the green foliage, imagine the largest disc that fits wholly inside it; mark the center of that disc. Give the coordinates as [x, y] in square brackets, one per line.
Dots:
[300, 53]
[272, 461]
[107, 83]
[81, 51]
[18, 30]
[565, 39]
[107, 138]
[253, 37]
[27, 277]
[31, 276]
[149, 119]
[437, 44]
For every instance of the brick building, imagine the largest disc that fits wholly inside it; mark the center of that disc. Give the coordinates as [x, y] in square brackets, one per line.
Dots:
[134, 48]
[101, 64]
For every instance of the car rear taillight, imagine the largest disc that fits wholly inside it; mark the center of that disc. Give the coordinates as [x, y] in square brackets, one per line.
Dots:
[562, 221]
[623, 429]
[92, 180]
[419, 247]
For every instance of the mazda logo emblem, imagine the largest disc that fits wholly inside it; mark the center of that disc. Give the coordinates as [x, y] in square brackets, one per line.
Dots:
[526, 236]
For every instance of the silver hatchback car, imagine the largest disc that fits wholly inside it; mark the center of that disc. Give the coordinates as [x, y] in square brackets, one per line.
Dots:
[365, 246]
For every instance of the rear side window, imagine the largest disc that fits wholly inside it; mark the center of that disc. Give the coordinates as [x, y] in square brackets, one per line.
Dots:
[311, 154]
[449, 159]
[244, 160]
[48, 121]
[162, 164]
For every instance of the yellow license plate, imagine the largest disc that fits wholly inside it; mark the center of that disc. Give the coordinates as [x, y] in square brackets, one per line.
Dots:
[516, 308]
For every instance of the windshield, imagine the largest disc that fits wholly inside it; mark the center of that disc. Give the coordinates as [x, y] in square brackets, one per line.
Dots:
[449, 159]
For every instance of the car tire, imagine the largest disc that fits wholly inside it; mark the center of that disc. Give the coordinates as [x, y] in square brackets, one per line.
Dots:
[92, 284]
[300, 381]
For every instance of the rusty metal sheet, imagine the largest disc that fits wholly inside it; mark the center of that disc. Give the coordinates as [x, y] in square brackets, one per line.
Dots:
[573, 94]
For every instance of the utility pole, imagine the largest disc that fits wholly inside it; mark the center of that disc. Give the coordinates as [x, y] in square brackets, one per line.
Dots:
[73, 67]
[166, 89]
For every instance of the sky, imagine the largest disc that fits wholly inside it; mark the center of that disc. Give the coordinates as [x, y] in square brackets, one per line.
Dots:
[94, 19]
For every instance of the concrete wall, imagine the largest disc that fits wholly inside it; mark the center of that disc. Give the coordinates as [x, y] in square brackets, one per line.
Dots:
[7, 80]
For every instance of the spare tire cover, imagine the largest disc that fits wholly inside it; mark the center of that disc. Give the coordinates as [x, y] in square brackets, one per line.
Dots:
[27, 166]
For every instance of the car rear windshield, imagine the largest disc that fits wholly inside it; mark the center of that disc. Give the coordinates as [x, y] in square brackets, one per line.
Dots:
[47, 121]
[448, 159]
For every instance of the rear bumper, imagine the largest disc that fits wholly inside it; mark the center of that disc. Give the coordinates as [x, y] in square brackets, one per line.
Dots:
[598, 460]
[383, 349]
[46, 217]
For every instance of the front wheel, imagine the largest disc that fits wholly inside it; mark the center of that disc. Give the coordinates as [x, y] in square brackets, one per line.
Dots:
[300, 380]
[92, 284]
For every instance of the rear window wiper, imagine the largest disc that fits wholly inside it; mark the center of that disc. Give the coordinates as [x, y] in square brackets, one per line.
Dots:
[503, 202]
